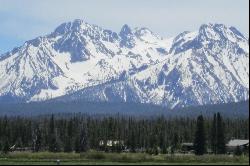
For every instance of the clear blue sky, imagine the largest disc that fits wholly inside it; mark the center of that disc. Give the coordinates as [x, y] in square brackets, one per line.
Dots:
[21, 20]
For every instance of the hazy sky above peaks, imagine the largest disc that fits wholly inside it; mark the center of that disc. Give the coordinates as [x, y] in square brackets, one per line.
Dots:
[22, 20]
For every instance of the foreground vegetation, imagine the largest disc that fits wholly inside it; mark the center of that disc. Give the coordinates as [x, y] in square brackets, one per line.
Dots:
[94, 157]
[78, 133]
[82, 139]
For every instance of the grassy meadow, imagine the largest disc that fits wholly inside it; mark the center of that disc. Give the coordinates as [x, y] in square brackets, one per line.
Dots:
[102, 158]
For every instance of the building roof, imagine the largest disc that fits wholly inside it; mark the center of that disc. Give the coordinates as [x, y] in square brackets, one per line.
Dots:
[187, 144]
[238, 142]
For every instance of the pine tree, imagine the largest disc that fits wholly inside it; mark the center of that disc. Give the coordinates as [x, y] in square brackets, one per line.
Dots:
[218, 144]
[155, 150]
[200, 138]
[174, 141]
[77, 143]
[67, 144]
[6, 146]
[53, 144]
[221, 145]
[214, 135]
[84, 143]
[164, 149]
[68, 140]
[38, 140]
[132, 142]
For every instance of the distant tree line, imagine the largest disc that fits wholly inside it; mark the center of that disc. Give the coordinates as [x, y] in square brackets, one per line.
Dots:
[81, 132]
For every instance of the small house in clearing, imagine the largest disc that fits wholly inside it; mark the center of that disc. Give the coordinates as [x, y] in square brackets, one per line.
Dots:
[187, 147]
[111, 145]
[232, 145]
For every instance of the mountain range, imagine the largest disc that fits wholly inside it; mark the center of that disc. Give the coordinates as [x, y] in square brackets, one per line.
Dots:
[81, 61]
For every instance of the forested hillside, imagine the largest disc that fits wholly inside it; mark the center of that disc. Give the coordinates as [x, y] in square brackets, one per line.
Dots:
[234, 110]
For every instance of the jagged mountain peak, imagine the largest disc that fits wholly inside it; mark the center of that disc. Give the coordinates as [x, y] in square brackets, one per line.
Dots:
[127, 37]
[126, 30]
[220, 32]
[80, 29]
[76, 25]
[135, 65]
[146, 35]
[212, 36]
[78, 36]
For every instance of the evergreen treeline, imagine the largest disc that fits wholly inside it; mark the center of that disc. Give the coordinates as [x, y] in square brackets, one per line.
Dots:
[81, 132]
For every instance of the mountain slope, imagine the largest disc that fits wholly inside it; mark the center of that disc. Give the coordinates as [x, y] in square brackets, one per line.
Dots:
[80, 61]
[74, 56]
[201, 73]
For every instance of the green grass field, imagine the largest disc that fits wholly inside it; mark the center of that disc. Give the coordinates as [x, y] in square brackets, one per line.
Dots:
[101, 158]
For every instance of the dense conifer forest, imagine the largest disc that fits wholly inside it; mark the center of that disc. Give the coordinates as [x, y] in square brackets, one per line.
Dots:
[81, 132]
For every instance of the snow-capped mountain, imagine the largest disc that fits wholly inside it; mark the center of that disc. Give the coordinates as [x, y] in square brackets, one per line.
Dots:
[83, 61]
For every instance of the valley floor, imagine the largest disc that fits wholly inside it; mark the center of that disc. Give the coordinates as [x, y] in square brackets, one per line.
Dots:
[101, 158]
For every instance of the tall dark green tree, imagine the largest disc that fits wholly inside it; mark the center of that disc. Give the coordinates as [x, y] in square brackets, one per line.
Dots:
[68, 139]
[84, 142]
[77, 143]
[218, 144]
[132, 142]
[200, 137]
[53, 144]
[213, 135]
[67, 144]
[221, 144]
[37, 140]
[6, 146]
[164, 149]
[175, 142]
